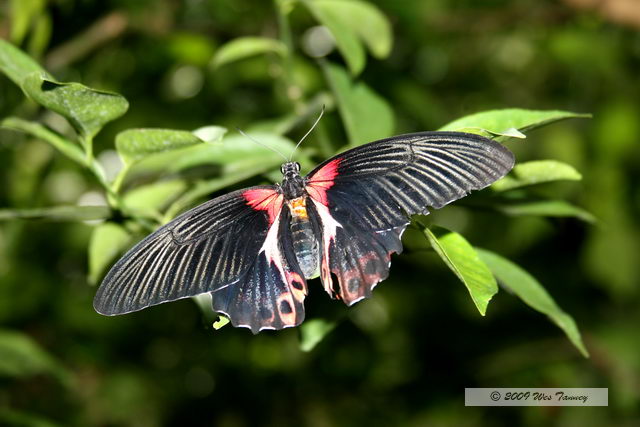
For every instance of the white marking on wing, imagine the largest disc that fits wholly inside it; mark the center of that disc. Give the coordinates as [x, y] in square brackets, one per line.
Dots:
[329, 229]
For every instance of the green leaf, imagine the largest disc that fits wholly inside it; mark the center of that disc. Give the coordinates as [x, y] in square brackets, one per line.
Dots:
[236, 158]
[363, 19]
[108, 240]
[220, 323]
[234, 153]
[329, 14]
[536, 172]
[16, 64]
[366, 115]
[149, 200]
[58, 213]
[503, 122]
[23, 13]
[204, 188]
[87, 109]
[133, 145]
[463, 260]
[21, 356]
[210, 134]
[371, 25]
[66, 147]
[551, 208]
[529, 290]
[313, 331]
[244, 47]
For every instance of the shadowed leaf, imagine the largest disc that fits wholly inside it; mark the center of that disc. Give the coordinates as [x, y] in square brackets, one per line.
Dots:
[366, 115]
[529, 290]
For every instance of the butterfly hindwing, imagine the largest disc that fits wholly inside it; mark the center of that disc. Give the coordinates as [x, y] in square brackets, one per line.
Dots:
[364, 198]
[271, 293]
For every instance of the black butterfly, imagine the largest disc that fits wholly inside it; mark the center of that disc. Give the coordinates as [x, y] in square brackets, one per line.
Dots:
[253, 249]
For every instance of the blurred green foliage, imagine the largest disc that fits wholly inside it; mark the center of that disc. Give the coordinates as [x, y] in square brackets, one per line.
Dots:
[403, 357]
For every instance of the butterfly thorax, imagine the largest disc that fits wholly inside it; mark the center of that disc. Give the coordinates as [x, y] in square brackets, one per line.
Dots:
[292, 184]
[305, 243]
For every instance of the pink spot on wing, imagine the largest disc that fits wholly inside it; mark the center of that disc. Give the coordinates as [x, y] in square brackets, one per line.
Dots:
[264, 199]
[322, 180]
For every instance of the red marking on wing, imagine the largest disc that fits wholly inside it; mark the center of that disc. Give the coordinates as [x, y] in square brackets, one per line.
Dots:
[322, 180]
[265, 199]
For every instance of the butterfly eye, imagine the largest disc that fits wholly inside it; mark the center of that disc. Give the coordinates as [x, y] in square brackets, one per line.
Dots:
[282, 169]
[297, 167]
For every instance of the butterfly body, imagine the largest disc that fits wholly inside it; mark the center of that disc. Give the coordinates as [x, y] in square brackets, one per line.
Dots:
[305, 240]
[253, 249]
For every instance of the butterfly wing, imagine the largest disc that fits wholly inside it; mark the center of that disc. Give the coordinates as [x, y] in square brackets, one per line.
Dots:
[364, 198]
[228, 244]
[272, 291]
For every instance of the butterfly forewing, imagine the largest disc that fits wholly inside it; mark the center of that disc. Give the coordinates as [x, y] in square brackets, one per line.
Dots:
[365, 195]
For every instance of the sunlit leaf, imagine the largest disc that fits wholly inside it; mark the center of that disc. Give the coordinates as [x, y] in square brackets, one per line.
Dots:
[220, 323]
[550, 208]
[329, 14]
[234, 153]
[244, 47]
[66, 147]
[313, 331]
[58, 213]
[536, 172]
[204, 188]
[108, 240]
[149, 200]
[21, 356]
[529, 290]
[87, 109]
[502, 122]
[134, 145]
[507, 133]
[366, 115]
[463, 260]
[16, 64]
[346, 18]
[371, 25]
[210, 133]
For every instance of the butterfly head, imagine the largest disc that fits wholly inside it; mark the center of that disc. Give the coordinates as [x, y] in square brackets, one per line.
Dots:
[292, 183]
[290, 169]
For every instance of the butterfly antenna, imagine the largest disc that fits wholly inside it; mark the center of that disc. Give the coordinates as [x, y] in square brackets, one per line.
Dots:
[308, 132]
[261, 144]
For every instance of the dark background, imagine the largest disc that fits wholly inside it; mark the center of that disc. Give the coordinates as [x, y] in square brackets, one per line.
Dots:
[405, 356]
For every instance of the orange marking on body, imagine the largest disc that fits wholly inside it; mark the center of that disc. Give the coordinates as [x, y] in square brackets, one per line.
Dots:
[322, 180]
[298, 207]
[264, 199]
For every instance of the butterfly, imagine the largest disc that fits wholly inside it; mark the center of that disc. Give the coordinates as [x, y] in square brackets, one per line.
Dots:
[254, 249]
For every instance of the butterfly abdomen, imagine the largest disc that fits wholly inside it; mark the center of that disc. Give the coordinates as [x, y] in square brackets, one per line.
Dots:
[305, 243]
